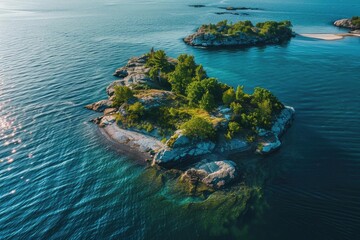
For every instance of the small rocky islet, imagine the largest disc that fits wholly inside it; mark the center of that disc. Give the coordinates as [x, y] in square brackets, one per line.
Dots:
[353, 24]
[170, 112]
[241, 34]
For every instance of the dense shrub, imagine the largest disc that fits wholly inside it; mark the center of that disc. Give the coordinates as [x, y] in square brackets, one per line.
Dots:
[198, 128]
[356, 21]
[233, 128]
[122, 94]
[207, 101]
[228, 96]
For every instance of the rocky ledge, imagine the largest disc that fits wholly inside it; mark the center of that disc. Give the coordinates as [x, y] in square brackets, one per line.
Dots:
[179, 150]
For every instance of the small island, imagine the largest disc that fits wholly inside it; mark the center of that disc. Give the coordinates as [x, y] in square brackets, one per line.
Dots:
[174, 115]
[352, 23]
[242, 33]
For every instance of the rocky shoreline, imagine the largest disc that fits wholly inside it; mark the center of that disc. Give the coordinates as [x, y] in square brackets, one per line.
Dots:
[190, 155]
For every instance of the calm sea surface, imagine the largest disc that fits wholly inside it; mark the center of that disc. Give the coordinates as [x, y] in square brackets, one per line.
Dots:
[60, 179]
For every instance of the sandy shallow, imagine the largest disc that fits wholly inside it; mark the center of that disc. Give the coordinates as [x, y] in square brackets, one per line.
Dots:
[328, 36]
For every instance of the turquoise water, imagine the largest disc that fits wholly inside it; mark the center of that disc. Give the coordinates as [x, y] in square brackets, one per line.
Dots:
[60, 179]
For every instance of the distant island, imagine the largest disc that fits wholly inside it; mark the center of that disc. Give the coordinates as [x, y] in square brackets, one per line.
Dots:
[351, 23]
[242, 33]
[172, 114]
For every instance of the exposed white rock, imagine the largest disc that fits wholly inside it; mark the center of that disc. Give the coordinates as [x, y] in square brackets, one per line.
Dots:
[183, 152]
[215, 174]
[107, 120]
[345, 23]
[269, 140]
[133, 140]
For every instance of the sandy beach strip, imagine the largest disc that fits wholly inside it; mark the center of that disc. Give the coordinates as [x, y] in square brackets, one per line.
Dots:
[328, 36]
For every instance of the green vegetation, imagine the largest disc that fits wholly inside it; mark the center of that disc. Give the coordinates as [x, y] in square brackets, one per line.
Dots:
[356, 21]
[194, 102]
[198, 128]
[160, 67]
[269, 29]
[122, 94]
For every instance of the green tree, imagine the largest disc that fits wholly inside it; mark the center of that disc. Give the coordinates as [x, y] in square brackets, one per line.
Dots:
[194, 92]
[233, 128]
[183, 74]
[159, 64]
[228, 96]
[200, 73]
[240, 93]
[198, 128]
[236, 108]
[137, 109]
[121, 95]
[207, 102]
[213, 86]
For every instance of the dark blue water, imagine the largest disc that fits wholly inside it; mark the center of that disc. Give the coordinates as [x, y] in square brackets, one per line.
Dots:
[60, 179]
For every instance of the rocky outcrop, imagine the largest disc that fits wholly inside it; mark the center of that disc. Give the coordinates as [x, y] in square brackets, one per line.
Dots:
[197, 5]
[181, 149]
[215, 174]
[232, 146]
[100, 106]
[269, 141]
[155, 98]
[346, 23]
[239, 8]
[205, 39]
[134, 72]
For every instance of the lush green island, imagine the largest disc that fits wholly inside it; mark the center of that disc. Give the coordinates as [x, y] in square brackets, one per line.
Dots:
[352, 23]
[175, 115]
[242, 33]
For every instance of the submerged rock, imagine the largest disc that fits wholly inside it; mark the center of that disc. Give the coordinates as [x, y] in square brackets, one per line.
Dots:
[215, 174]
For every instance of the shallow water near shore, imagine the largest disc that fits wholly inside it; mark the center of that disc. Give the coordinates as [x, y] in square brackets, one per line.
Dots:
[60, 179]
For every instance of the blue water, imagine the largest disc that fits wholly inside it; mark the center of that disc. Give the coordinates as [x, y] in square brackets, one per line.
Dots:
[60, 179]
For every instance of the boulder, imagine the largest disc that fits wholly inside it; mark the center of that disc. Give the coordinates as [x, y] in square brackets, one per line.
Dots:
[121, 72]
[99, 106]
[215, 174]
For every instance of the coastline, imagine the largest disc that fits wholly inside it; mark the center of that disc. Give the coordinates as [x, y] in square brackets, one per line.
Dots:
[145, 147]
